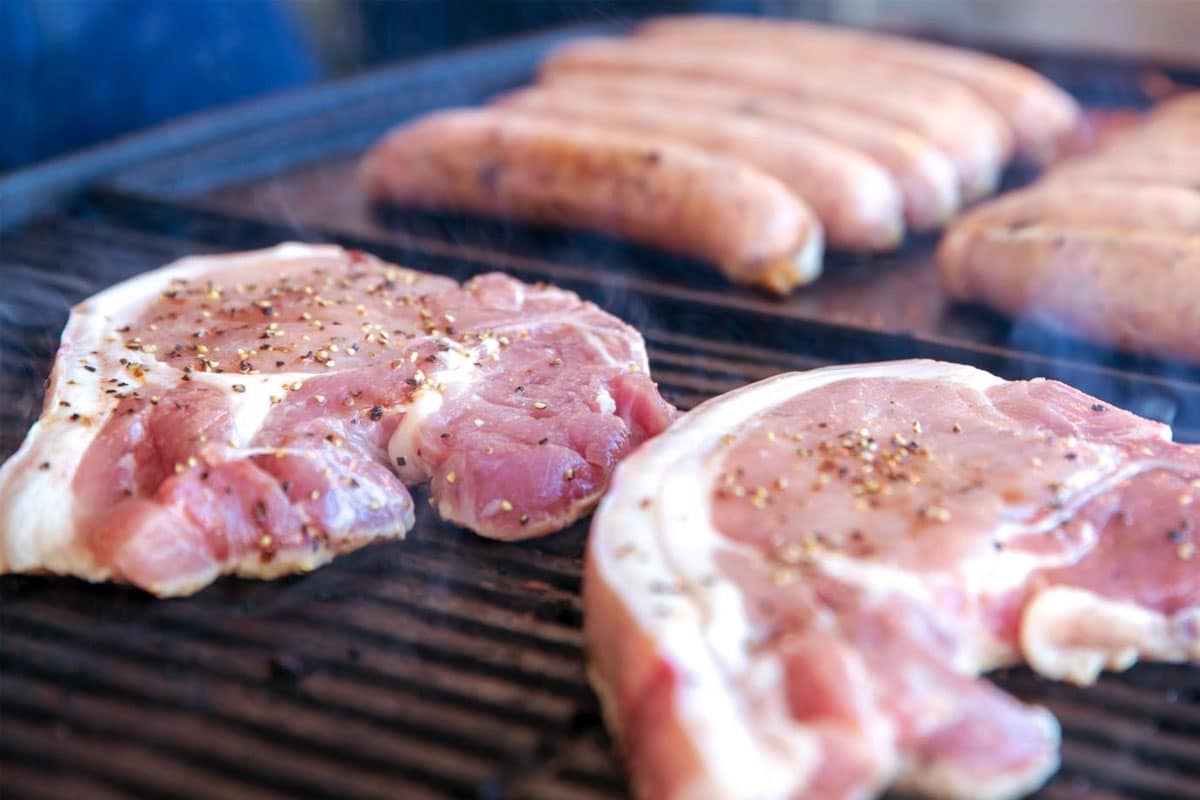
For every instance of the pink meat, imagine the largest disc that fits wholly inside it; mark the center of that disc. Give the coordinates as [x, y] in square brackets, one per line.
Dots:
[260, 413]
[797, 586]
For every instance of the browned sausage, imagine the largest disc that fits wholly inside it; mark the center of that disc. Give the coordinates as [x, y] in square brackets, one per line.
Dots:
[855, 199]
[926, 177]
[1041, 114]
[646, 189]
[971, 134]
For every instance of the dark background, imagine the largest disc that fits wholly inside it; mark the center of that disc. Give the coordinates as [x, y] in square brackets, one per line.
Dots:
[76, 72]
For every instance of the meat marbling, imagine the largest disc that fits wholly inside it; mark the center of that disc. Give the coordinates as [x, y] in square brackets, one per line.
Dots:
[259, 413]
[791, 593]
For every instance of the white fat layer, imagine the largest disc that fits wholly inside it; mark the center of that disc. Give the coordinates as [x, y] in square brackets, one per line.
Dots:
[37, 505]
[457, 371]
[598, 347]
[1072, 634]
[605, 401]
[249, 406]
[703, 627]
[402, 446]
[37, 508]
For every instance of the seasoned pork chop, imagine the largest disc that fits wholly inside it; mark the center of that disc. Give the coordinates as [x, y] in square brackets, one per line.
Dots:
[792, 592]
[259, 413]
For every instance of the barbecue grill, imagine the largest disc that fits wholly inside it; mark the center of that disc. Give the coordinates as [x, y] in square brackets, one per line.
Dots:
[447, 665]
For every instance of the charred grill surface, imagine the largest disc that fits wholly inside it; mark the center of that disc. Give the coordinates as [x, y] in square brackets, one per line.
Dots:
[446, 665]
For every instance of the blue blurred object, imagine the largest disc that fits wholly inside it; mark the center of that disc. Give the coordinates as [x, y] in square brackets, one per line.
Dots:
[77, 72]
[74, 72]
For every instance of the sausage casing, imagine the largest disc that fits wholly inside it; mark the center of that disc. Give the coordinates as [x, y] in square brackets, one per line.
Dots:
[971, 134]
[1041, 114]
[856, 200]
[925, 176]
[1164, 150]
[648, 190]
[1135, 289]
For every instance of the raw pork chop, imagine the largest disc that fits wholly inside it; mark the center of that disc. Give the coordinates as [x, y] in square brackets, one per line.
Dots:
[259, 413]
[791, 592]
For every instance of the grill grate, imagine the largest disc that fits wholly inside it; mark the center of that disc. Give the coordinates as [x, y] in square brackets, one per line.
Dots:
[446, 665]
[441, 666]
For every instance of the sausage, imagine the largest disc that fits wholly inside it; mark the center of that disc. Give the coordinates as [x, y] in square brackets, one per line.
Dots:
[1168, 166]
[648, 190]
[1106, 246]
[1183, 108]
[970, 133]
[1065, 204]
[1134, 289]
[1090, 203]
[1040, 114]
[1165, 150]
[926, 177]
[1173, 124]
[855, 199]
